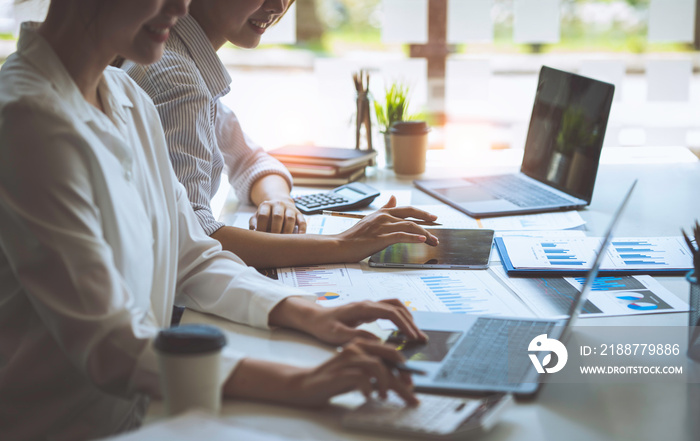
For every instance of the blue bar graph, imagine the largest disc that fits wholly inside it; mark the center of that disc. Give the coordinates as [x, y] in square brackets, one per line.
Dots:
[636, 243]
[639, 253]
[559, 254]
[613, 283]
[454, 294]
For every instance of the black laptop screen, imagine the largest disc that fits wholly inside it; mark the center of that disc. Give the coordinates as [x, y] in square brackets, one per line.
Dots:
[566, 131]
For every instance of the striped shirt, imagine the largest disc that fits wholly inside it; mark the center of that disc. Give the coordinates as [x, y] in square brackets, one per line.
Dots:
[204, 136]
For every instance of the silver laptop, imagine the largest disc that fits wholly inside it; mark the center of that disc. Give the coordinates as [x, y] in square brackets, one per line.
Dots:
[491, 354]
[560, 162]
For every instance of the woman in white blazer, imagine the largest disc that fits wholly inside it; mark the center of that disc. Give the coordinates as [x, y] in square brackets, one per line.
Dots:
[98, 240]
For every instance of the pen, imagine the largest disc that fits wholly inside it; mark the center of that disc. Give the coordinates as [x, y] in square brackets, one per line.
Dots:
[360, 216]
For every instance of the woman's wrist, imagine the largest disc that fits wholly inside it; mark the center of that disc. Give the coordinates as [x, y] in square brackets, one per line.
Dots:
[295, 313]
[264, 380]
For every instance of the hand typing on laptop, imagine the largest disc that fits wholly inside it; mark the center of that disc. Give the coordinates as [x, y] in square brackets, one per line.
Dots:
[360, 365]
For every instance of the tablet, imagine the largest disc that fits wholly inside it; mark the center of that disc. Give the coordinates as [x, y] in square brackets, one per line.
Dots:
[468, 249]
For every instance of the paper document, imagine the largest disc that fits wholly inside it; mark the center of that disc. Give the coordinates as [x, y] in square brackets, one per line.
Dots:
[451, 218]
[649, 253]
[611, 296]
[455, 291]
[550, 234]
[319, 224]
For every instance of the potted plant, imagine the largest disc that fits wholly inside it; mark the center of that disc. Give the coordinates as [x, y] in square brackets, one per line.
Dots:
[576, 134]
[392, 110]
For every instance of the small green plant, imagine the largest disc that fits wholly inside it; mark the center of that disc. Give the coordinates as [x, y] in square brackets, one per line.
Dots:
[395, 107]
[576, 132]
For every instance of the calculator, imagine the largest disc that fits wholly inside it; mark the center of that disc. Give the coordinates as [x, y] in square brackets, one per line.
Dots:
[436, 417]
[346, 197]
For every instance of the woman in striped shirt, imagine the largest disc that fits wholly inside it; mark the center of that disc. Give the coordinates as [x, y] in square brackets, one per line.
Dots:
[204, 137]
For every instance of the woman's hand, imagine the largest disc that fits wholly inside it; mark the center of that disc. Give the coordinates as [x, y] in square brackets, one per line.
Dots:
[337, 325]
[360, 365]
[278, 216]
[385, 227]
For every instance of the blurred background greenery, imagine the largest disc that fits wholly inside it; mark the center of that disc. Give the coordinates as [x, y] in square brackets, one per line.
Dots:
[335, 27]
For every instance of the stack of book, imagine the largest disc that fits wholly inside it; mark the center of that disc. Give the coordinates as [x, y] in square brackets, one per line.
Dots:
[324, 166]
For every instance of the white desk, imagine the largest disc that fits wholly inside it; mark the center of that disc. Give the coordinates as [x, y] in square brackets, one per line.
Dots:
[667, 198]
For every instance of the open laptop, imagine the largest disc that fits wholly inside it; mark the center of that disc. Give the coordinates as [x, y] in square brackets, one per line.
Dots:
[491, 354]
[560, 162]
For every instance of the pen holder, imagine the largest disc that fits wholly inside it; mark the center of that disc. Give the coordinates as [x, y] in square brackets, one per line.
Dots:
[694, 317]
[363, 119]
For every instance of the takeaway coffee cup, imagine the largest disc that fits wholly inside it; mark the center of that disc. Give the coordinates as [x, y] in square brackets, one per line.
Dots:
[189, 358]
[409, 143]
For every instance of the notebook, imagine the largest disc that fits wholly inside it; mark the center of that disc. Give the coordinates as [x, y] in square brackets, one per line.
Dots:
[560, 162]
[341, 158]
[492, 354]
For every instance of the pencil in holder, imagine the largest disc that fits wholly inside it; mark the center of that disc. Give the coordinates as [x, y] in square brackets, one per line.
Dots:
[362, 119]
[694, 317]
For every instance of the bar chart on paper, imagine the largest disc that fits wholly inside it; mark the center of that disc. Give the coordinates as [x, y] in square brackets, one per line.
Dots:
[455, 291]
[319, 276]
[465, 292]
[455, 296]
[624, 254]
[640, 252]
[610, 296]
[560, 254]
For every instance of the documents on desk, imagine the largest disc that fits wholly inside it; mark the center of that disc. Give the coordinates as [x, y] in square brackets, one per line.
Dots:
[480, 292]
[456, 291]
[627, 255]
[610, 296]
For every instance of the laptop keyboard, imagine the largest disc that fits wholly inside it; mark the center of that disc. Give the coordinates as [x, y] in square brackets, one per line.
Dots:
[482, 356]
[519, 191]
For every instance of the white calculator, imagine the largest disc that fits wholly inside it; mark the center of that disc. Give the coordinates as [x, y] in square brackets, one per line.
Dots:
[346, 197]
[436, 417]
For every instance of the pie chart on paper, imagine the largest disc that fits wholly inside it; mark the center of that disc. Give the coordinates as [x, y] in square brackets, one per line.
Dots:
[642, 306]
[320, 296]
[638, 301]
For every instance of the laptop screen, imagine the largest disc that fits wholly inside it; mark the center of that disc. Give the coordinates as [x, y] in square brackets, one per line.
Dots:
[580, 300]
[566, 131]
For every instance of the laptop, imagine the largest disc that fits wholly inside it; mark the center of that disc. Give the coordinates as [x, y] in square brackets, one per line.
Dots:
[560, 162]
[491, 354]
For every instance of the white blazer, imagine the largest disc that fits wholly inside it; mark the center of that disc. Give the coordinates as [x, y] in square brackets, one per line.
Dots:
[97, 240]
